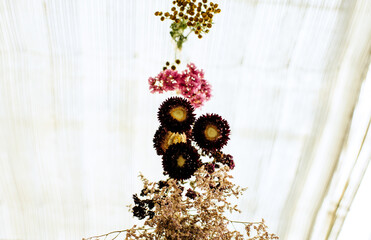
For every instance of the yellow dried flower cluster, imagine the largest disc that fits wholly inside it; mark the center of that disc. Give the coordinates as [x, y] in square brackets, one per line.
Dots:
[193, 14]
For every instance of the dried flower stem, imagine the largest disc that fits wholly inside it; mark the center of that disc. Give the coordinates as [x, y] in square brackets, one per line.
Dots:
[244, 222]
[114, 232]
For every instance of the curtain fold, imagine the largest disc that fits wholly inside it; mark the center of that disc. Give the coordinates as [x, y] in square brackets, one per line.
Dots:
[77, 118]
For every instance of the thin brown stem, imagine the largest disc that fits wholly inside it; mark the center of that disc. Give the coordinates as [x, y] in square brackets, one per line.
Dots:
[113, 232]
[105, 235]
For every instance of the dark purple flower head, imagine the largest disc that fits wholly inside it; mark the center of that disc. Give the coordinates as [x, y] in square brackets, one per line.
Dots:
[180, 161]
[139, 212]
[211, 132]
[210, 167]
[231, 164]
[225, 159]
[159, 140]
[142, 207]
[137, 201]
[176, 114]
[191, 194]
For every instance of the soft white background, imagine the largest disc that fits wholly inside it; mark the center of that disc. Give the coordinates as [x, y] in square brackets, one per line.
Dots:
[77, 119]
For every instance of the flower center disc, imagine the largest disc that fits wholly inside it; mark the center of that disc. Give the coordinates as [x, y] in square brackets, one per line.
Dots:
[212, 133]
[178, 113]
[181, 161]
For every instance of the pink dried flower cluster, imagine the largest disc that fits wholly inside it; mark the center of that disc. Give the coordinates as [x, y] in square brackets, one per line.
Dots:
[190, 83]
[166, 80]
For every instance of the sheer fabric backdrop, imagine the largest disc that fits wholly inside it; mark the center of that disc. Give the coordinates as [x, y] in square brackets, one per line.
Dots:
[77, 118]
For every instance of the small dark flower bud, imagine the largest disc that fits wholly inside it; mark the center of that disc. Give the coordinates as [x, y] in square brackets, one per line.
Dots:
[210, 168]
[191, 194]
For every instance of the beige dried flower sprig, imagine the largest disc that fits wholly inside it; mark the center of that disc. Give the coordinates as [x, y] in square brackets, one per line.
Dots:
[180, 215]
[194, 15]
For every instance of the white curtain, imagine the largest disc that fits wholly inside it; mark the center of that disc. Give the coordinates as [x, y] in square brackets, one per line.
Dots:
[77, 118]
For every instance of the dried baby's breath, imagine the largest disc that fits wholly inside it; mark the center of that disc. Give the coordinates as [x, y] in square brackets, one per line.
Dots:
[177, 216]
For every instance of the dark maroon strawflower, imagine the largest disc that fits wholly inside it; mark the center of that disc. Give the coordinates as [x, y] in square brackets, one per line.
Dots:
[211, 132]
[180, 161]
[163, 139]
[159, 140]
[176, 114]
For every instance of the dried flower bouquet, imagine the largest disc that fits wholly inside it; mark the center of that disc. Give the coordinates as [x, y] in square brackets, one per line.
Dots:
[193, 201]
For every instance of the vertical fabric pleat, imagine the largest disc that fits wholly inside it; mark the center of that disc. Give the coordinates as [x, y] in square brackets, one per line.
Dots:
[77, 118]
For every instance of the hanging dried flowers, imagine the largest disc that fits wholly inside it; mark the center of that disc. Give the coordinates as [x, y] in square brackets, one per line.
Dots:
[191, 152]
